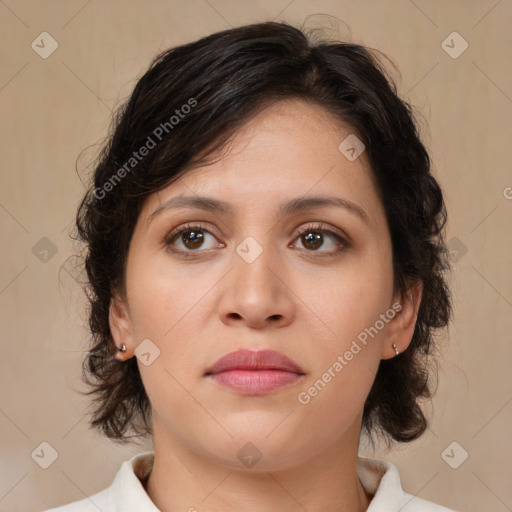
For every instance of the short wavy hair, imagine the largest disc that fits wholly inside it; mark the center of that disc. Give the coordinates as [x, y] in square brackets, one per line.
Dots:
[189, 103]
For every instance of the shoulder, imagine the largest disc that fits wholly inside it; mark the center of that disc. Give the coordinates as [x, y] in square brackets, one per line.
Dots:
[90, 504]
[381, 480]
[125, 493]
[415, 504]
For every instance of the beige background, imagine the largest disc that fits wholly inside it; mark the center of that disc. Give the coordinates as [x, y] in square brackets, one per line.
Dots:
[51, 109]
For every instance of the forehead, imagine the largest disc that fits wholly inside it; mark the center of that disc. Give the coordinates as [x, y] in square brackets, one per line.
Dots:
[304, 125]
[289, 149]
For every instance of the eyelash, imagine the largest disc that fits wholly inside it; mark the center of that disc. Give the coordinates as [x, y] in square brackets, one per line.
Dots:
[315, 228]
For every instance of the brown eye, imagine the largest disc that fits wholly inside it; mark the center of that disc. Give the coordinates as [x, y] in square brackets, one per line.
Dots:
[192, 239]
[316, 239]
[312, 240]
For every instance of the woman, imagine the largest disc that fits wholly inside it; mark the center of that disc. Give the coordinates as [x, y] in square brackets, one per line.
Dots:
[265, 259]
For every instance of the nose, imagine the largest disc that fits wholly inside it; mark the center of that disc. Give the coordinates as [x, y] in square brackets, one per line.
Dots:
[257, 294]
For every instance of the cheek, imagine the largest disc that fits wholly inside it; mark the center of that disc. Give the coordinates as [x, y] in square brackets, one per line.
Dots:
[351, 333]
[350, 298]
[171, 305]
[164, 296]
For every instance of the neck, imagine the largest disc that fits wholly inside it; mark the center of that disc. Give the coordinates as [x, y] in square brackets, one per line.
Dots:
[184, 480]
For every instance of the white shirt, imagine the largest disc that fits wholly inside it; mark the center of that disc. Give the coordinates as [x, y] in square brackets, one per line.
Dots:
[126, 494]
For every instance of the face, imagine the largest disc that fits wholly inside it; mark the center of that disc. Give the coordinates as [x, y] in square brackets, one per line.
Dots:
[290, 253]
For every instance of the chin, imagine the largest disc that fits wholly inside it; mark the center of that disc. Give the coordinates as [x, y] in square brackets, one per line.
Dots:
[261, 448]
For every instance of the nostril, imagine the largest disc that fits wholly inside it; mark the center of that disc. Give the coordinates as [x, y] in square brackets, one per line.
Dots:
[235, 315]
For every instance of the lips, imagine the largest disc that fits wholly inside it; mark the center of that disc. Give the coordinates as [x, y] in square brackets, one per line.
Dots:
[250, 372]
[252, 360]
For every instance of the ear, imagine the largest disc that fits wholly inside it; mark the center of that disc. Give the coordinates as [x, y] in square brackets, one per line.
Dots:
[121, 328]
[401, 328]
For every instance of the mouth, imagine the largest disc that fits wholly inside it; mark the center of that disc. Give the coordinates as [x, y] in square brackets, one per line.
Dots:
[255, 373]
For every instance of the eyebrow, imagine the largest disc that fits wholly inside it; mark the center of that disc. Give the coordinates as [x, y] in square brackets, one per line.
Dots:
[296, 205]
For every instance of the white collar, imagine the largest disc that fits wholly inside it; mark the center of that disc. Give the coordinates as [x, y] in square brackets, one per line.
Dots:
[379, 479]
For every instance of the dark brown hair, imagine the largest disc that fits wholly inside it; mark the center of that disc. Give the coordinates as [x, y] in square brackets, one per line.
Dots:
[186, 106]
